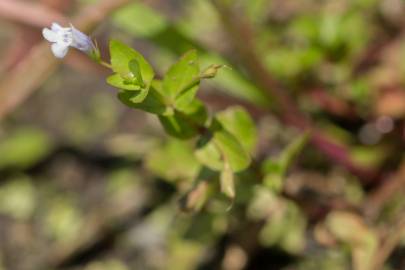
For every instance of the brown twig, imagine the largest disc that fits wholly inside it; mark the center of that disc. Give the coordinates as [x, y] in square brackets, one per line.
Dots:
[29, 13]
[332, 104]
[24, 39]
[27, 33]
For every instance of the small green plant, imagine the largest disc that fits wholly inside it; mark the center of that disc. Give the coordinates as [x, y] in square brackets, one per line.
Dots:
[223, 141]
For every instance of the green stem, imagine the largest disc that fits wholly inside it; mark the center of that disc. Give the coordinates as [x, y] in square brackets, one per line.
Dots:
[105, 64]
[201, 128]
[193, 83]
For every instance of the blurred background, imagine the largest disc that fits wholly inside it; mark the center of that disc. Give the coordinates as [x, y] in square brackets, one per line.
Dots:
[88, 183]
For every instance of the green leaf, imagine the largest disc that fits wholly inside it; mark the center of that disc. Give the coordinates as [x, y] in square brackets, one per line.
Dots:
[24, 148]
[179, 125]
[140, 20]
[227, 181]
[18, 198]
[293, 149]
[239, 123]
[121, 56]
[185, 124]
[230, 147]
[286, 229]
[352, 230]
[209, 154]
[139, 97]
[275, 169]
[130, 98]
[183, 101]
[173, 161]
[182, 79]
[147, 100]
[222, 146]
[135, 68]
[195, 199]
[63, 220]
[196, 111]
[117, 81]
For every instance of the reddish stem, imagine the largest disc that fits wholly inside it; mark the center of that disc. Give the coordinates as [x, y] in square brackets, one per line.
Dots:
[242, 38]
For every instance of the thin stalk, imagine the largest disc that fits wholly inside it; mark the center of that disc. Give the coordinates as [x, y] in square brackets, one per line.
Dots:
[105, 64]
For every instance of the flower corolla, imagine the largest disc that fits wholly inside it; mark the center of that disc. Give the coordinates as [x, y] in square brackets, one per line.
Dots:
[64, 37]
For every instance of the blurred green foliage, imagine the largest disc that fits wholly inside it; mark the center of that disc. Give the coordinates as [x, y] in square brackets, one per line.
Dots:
[24, 147]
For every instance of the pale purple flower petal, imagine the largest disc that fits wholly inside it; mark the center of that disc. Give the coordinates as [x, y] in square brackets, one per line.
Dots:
[59, 50]
[49, 35]
[56, 27]
[81, 41]
[64, 37]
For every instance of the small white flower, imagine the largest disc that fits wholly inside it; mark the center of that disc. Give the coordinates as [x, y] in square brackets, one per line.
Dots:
[64, 37]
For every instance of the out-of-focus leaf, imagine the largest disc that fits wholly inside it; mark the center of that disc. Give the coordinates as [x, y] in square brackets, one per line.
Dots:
[239, 123]
[328, 259]
[370, 156]
[350, 229]
[195, 199]
[290, 62]
[63, 220]
[184, 254]
[305, 27]
[18, 198]
[275, 169]
[209, 154]
[293, 150]
[121, 185]
[361, 92]
[110, 264]
[330, 29]
[140, 20]
[353, 191]
[285, 226]
[262, 203]
[274, 180]
[227, 181]
[257, 10]
[222, 145]
[23, 148]
[234, 83]
[96, 118]
[173, 161]
[230, 147]
[201, 227]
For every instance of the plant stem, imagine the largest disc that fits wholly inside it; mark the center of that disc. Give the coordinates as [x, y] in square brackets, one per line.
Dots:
[105, 64]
